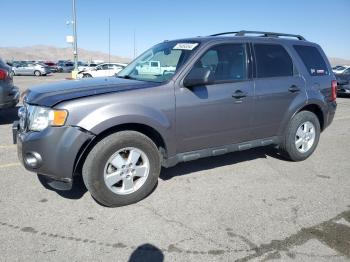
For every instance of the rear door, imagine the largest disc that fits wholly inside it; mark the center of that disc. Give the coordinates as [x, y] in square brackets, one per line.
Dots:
[278, 86]
[29, 69]
[99, 70]
[220, 113]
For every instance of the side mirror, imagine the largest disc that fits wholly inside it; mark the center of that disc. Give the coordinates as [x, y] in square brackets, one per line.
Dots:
[198, 76]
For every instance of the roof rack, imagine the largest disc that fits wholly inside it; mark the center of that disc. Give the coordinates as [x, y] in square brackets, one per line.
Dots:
[263, 34]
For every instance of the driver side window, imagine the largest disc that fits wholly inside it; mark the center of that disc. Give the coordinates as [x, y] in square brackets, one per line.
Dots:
[226, 62]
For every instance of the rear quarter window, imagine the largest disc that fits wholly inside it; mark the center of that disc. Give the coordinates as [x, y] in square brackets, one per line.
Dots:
[312, 59]
[272, 61]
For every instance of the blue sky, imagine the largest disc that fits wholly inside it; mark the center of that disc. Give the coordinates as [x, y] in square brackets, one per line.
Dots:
[32, 22]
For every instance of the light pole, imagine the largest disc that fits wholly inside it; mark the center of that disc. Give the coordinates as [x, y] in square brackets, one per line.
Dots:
[75, 52]
[134, 43]
[109, 40]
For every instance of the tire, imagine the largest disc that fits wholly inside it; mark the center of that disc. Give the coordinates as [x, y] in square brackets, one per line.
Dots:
[37, 73]
[97, 168]
[298, 142]
[87, 76]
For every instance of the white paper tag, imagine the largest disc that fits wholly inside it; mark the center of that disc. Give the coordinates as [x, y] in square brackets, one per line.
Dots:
[185, 46]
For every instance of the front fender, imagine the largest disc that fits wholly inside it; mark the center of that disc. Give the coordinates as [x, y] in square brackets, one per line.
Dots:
[112, 115]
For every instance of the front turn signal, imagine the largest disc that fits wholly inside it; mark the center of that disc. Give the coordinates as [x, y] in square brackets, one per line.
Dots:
[59, 117]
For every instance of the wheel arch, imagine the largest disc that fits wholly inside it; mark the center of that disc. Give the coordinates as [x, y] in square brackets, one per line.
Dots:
[316, 109]
[312, 106]
[147, 130]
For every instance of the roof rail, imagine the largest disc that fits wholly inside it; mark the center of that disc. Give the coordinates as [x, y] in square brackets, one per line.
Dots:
[263, 34]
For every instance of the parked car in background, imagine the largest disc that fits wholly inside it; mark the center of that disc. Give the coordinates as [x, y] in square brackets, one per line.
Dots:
[63, 61]
[53, 66]
[9, 94]
[65, 67]
[336, 67]
[229, 92]
[339, 69]
[86, 66]
[344, 82]
[30, 68]
[106, 69]
[154, 68]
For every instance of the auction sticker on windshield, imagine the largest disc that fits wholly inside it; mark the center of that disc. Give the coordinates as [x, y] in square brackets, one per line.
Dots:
[185, 46]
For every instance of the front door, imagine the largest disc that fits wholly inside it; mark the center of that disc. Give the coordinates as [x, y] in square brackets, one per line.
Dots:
[220, 113]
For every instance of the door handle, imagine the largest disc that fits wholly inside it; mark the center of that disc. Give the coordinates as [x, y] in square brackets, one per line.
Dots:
[293, 89]
[239, 94]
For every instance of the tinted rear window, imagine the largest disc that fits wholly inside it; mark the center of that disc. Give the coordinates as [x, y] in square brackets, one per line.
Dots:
[272, 61]
[312, 59]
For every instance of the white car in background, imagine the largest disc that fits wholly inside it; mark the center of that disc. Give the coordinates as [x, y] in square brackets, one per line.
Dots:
[339, 69]
[86, 66]
[106, 69]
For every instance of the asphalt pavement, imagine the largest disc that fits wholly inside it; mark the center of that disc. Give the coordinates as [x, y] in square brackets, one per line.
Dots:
[246, 206]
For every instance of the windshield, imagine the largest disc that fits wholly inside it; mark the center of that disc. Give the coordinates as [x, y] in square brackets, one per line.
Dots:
[159, 63]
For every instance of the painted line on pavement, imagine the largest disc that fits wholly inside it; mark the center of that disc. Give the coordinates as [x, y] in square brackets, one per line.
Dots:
[9, 165]
[7, 146]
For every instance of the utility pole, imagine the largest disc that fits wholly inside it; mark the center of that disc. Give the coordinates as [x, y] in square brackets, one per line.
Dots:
[109, 40]
[75, 52]
[134, 43]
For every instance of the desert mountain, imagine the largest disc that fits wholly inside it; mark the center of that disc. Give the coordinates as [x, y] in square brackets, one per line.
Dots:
[51, 53]
[338, 61]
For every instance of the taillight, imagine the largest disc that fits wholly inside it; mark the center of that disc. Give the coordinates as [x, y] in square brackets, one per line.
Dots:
[334, 90]
[3, 74]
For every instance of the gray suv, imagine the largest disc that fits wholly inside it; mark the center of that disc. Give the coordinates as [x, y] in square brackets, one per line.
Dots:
[179, 101]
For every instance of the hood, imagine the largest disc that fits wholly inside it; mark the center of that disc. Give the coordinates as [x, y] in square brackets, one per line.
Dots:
[52, 94]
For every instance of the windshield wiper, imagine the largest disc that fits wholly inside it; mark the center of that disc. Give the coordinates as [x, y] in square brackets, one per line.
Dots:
[126, 77]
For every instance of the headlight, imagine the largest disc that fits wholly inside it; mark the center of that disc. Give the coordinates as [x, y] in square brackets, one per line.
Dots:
[42, 117]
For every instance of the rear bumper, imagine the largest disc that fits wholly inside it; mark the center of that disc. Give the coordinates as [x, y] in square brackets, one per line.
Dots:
[10, 100]
[55, 150]
[329, 116]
